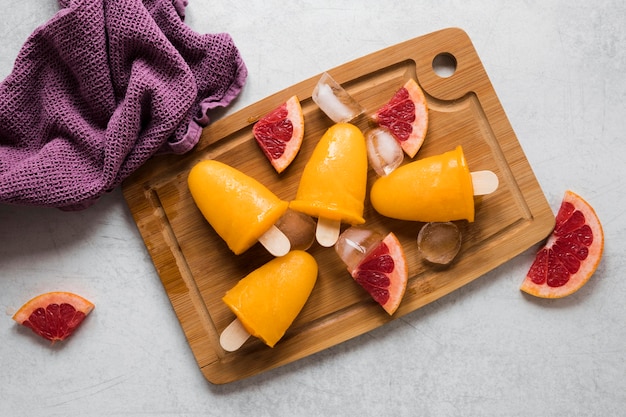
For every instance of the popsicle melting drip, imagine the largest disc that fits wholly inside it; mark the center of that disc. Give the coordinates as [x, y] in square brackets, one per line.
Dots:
[335, 101]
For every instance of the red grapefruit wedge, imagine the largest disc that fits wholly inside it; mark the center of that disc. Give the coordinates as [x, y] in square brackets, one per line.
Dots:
[571, 253]
[383, 273]
[54, 315]
[280, 133]
[406, 117]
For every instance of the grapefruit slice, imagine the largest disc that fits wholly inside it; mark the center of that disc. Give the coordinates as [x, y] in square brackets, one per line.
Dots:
[406, 117]
[54, 315]
[280, 133]
[571, 253]
[383, 273]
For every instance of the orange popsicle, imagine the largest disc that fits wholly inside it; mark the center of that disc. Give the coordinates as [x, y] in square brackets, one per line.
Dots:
[267, 301]
[433, 189]
[332, 186]
[238, 207]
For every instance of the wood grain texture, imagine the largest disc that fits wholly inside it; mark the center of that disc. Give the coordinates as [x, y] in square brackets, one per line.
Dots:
[197, 268]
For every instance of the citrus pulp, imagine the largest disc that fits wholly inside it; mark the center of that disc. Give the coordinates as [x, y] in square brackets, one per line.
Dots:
[280, 133]
[54, 315]
[571, 253]
[405, 115]
[383, 273]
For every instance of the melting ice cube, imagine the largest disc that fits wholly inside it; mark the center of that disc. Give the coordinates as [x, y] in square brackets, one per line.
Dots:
[333, 100]
[299, 229]
[383, 151]
[439, 242]
[354, 243]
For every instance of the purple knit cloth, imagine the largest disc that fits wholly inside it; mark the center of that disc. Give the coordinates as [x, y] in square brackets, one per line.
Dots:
[99, 89]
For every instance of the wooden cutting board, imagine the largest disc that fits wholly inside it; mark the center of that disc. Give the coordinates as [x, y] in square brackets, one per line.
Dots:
[197, 268]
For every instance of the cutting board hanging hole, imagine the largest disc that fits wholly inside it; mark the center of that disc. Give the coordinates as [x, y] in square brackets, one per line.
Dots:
[444, 65]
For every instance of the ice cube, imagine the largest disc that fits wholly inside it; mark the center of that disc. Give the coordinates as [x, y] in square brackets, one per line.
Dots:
[299, 229]
[354, 243]
[333, 100]
[439, 242]
[383, 150]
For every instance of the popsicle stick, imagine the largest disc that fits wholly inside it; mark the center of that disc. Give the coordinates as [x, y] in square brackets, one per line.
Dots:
[327, 231]
[233, 336]
[275, 241]
[485, 182]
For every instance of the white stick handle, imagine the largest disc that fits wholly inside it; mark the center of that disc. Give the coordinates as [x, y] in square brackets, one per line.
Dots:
[233, 336]
[485, 182]
[327, 231]
[275, 241]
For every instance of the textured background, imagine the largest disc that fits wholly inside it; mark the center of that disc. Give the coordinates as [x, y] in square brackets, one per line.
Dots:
[558, 68]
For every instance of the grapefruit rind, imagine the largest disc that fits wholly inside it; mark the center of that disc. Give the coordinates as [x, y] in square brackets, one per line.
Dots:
[419, 125]
[587, 267]
[80, 304]
[398, 277]
[295, 117]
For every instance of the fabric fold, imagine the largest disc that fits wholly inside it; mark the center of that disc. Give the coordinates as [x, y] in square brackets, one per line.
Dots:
[99, 89]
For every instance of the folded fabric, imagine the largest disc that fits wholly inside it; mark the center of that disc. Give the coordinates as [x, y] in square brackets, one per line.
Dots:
[99, 89]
